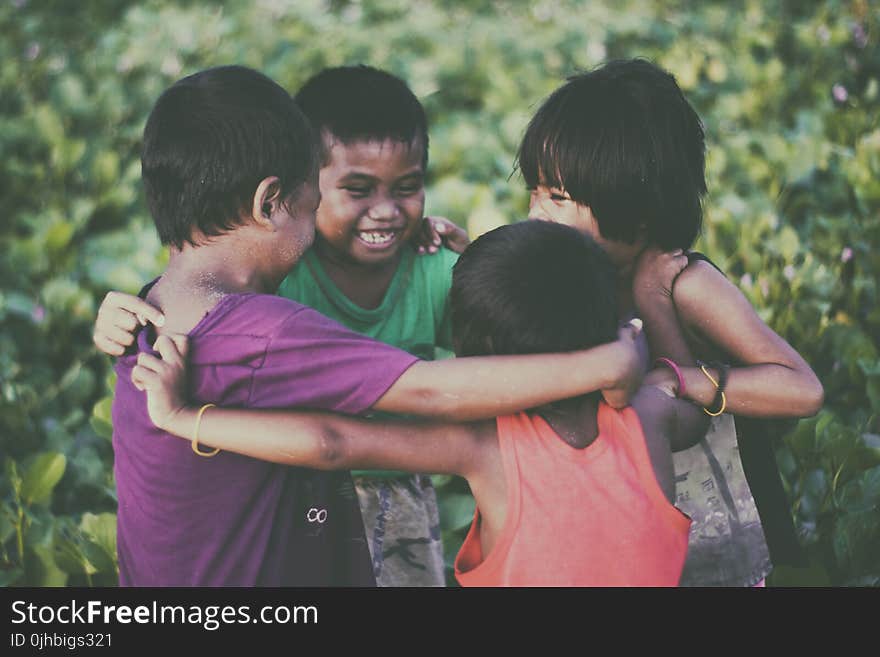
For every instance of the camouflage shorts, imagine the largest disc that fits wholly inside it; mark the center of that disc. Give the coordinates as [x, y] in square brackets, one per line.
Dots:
[726, 546]
[402, 525]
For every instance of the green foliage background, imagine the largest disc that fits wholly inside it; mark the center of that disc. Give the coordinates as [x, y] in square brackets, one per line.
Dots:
[788, 90]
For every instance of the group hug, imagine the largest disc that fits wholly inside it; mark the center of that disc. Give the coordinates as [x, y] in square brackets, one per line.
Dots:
[279, 408]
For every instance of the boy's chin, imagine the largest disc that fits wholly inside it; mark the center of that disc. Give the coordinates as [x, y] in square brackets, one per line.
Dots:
[376, 257]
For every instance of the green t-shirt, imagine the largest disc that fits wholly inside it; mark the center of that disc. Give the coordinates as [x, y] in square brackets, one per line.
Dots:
[413, 316]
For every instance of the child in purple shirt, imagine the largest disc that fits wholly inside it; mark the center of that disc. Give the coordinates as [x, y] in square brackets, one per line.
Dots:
[233, 520]
[230, 173]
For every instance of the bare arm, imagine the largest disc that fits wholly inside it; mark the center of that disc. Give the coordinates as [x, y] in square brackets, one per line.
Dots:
[454, 390]
[464, 389]
[669, 426]
[683, 422]
[773, 381]
[324, 441]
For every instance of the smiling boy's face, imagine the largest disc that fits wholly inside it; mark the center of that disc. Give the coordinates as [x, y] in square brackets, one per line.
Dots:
[372, 200]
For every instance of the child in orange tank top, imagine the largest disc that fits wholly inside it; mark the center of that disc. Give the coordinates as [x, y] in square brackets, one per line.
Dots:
[574, 493]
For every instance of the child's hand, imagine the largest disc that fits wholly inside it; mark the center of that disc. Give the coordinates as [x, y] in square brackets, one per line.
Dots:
[117, 319]
[655, 273]
[164, 380]
[435, 231]
[631, 361]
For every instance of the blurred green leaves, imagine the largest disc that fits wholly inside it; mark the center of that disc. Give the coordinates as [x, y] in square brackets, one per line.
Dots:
[41, 476]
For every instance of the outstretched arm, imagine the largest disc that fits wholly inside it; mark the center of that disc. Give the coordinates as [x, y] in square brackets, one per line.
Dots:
[483, 387]
[772, 380]
[323, 441]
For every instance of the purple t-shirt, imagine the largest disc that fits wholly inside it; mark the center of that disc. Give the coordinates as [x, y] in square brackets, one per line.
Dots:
[230, 520]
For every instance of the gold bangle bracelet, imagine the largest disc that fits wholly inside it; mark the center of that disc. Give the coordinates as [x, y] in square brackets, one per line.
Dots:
[721, 410]
[195, 438]
[723, 396]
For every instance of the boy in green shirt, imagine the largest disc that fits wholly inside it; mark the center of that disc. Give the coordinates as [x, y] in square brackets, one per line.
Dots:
[363, 271]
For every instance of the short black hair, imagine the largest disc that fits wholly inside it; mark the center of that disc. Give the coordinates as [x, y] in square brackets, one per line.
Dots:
[362, 103]
[625, 141]
[209, 141]
[532, 287]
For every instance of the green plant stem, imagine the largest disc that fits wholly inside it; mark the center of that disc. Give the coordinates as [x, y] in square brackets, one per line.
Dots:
[19, 533]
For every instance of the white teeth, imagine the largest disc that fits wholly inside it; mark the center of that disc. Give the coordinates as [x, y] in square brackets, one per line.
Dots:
[376, 236]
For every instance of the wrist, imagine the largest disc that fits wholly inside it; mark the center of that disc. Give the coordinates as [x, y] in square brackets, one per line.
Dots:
[625, 370]
[699, 388]
[180, 422]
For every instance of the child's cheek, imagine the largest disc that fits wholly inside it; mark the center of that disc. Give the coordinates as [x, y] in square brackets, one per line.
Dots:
[414, 209]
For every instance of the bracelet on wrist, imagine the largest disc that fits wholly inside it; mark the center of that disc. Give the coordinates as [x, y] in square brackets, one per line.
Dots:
[719, 402]
[195, 438]
[668, 362]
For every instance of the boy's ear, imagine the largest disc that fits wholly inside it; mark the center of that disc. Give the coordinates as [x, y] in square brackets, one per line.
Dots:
[266, 200]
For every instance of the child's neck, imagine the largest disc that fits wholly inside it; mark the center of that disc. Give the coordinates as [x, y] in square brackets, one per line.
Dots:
[574, 420]
[196, 279]
[364, 285]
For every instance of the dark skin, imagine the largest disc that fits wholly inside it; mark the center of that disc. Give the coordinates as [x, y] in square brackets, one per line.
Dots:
[332, 442]
[373, 202]
[769, 378]
[272, 236]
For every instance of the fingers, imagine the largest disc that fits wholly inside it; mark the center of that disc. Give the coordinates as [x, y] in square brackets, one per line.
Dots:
[426, 237]
[630, 330]
[149, 362]
[144, 378]
[107, 346]
[118, 318]
[115, 301]
[116, 335]
[113, 330]
[679, 258]
[169, 349]
[182, 343]
[449, 234]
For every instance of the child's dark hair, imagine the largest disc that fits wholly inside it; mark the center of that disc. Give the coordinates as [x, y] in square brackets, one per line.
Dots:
[623, 140]
[361, 103]
[209, 141]
[532, 287]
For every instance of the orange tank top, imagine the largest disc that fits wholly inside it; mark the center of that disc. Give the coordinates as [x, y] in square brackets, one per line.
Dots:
[578, 517]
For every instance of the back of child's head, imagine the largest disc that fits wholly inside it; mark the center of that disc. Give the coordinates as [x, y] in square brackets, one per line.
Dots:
[532, 287]
[209, 141]
[623, 140]
[361, 103]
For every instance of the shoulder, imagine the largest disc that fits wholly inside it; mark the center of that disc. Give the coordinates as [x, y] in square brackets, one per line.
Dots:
[283, 320]
[437, 264]
[702, 285]
[256, 315]
[432, 277]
